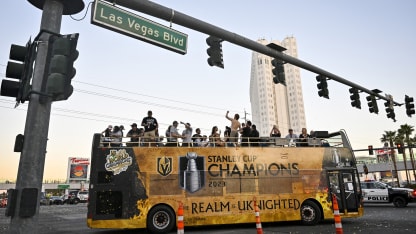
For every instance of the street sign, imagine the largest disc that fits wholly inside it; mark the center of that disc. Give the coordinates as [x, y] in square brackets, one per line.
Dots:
[63, 186]
[124, 22]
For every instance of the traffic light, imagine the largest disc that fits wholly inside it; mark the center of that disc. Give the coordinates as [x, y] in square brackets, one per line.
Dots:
[355, 98]
[390, 110]
[215, 52]
[370, 150]
[322, 86]
[19, 72]
[410, 106]
[372, 104]
[61, 57]
[399, 148]
[278, 72]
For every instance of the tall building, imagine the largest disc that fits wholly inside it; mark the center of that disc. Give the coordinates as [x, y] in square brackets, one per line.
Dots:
[276, 104]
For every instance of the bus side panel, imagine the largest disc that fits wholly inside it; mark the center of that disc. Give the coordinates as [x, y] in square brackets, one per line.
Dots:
[218, 185]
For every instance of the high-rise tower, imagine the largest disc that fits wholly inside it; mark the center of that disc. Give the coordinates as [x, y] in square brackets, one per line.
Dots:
[275, 104]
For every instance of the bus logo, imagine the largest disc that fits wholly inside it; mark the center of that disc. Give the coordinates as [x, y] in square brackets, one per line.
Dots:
[118, 161]
[164, 165]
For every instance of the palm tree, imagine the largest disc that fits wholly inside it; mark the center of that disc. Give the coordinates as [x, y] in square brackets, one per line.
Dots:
[406, 130]
[389, 137]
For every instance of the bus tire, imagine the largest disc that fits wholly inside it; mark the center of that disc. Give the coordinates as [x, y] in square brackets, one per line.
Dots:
[399, 202]
[161, 219]
[310, 213]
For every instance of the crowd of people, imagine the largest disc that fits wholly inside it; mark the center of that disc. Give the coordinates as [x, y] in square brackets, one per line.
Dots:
[244, 134]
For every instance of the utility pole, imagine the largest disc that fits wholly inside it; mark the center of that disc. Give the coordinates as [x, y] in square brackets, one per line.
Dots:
[24, 207]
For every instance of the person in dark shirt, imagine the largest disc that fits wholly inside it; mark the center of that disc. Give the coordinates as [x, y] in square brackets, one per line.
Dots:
[150, 125]
[254, 136]
[197, 138]
[275, 132]
[303, 138]
[245, 134]
[134, 134]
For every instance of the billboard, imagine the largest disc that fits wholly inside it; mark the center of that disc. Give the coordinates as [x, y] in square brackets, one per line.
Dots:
[78, 168]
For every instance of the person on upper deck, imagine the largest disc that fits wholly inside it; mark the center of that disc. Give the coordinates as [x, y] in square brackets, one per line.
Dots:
[116, 137]
[303, 138]
[235, 127]
[150, 125]
[291, 137]
[197, 138]
[245, 134]
[215, 137]
[187, 135]
[134, 134]
[174, 135]
[275, 132]
[254, 136]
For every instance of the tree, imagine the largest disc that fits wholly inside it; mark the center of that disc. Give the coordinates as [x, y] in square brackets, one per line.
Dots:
[405, 131]
[389, 137]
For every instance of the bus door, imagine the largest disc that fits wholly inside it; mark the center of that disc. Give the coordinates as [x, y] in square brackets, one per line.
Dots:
[345, 185]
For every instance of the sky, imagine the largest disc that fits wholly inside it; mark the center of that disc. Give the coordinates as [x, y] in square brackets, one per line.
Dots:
[119, 78]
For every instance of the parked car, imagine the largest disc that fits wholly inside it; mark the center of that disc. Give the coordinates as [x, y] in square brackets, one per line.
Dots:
[70, 199]
[83, 196]
[376, 192]
[56, 200]
[43, 199]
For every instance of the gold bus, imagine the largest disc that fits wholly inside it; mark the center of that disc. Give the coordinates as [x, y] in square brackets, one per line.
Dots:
[142, 186]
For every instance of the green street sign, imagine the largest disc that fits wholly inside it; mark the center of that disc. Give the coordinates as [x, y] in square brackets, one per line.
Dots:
[63, 186]
[119, 20]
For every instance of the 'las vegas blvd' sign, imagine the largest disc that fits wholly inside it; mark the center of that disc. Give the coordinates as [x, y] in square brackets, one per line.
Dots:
[119, 20]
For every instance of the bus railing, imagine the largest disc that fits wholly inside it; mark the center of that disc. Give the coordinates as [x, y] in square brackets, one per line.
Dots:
[238, 142]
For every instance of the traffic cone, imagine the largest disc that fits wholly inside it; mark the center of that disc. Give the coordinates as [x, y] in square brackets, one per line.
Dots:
[337, 216]
[258, 222]
[180, 224]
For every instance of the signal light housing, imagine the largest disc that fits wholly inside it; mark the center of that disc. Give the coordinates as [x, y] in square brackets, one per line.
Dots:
[355, 98]
[322, 86]
[372, 104]
[215, 51]
[61, 57]
[410, 106]
[19, 72]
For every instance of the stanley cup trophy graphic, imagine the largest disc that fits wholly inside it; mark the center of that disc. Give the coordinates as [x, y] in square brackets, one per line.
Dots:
[192, 177]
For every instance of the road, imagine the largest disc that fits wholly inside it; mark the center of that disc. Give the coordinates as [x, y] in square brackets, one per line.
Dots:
[378, 218]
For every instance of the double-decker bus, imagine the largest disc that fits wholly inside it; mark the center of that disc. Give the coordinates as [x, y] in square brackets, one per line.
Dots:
[142, 186]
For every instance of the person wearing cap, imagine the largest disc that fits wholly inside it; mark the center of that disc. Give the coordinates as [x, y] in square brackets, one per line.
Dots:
[150, 125]
[174, 135]
[134, 134]
[187, 135]
[107, 135]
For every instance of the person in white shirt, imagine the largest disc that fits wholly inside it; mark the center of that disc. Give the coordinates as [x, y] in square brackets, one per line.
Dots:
[292, 138]
[187, 135]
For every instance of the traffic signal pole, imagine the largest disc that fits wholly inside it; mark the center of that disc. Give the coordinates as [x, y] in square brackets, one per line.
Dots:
[170, 15]
[32, 158]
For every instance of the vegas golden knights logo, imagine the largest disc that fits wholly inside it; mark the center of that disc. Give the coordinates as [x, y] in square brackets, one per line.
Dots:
[164, 165]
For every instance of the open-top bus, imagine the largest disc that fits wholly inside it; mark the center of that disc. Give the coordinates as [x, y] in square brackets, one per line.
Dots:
[142, 186]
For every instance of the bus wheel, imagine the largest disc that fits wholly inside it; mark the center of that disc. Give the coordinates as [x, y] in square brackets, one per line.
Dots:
[310, 213]
[161, 219]
[399, 202]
